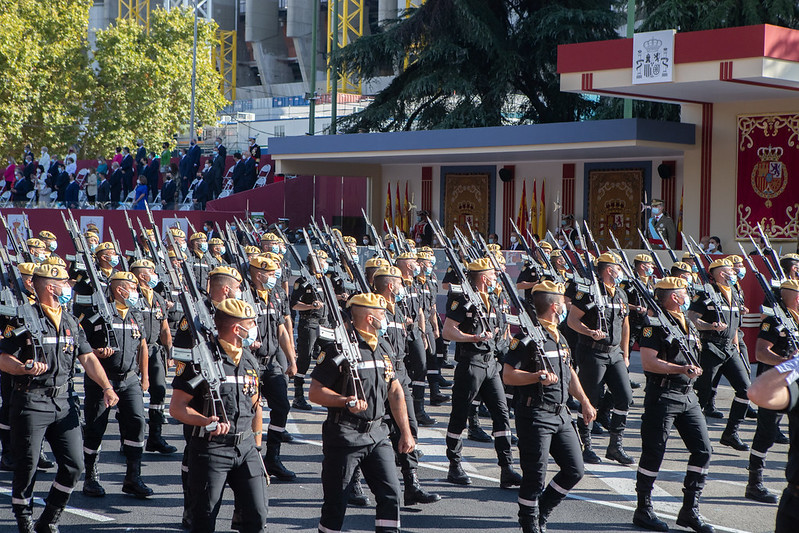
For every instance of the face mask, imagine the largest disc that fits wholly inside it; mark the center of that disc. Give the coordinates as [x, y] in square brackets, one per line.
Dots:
[428, 270]
[283, 249]
[391, 246]
[418, 219]
[694, 269]
[237, 294]
[416, 270]
[183, 247]
[563, 314]
[618, 278]
[270, 283]
[113, 260]
[93, 247]
[252, 336]
[492, 240]
[490, 286]
[655, 211]
[382, 328]
[649, 271]
[40, 258]
[278, 273]
[52, 246]
[563, 223]
[399, 296]
[203, 247]
[65, 296]
[513, 239]
[433, 260]
[711, 247]
[222, 251]
[153, 281]
[741, 273]
[365, 242]
[233, 228]
[132, 299]
[275, 249]
[684, 305]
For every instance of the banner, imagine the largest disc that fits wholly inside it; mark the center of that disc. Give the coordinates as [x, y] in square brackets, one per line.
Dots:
[768, 157]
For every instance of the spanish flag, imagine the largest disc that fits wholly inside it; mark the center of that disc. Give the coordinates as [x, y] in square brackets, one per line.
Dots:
[542, 213]
[406, 213]
[398, 219]
[521, 219]
[388, 222]
[533, 211]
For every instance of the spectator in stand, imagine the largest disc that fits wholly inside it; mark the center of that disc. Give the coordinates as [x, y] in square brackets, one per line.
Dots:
[27, 150]
[91, 185]
[193, 155]
[221, 148]
[140, 194]
[72, 193]
[103, 191]
[239, 174]
[8, 175]
[168, 192]
[22, 186]
[183, 171]
[127, 171]
[218, 170]
[714, 245]
[166, 157]
[250, 170]
[44, 158]
[102, 166]
[41, 187]
[60, 182]
[116, 184]
[203, 191]
[141, 157]
[71, 167]
[151, 173]
[30, 167]
[117, 156]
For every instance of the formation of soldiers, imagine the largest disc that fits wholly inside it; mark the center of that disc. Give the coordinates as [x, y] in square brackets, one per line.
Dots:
[220, 312]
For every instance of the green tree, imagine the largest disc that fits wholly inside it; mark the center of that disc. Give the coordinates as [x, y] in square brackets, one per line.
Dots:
[143, 87]
[44, 72]
[474, 63]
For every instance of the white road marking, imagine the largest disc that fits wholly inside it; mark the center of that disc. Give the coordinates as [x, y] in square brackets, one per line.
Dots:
[71, 510]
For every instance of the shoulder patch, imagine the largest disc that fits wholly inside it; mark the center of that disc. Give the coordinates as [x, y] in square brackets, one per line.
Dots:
[765, 326]
[696, 298]
[179, 367]
[579, 295]
[320, 358]
[8, 332]
[514, 343]
[647, 332]
[184, 324]
[454, 305]
[297, 284]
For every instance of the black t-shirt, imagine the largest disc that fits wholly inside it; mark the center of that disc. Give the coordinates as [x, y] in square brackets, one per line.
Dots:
[706, 306]
[525, 357]
[460, 310]
[668, 348]
[792, 468]
[307, 293]
[128, 334]
[614, 308]
[530, 273]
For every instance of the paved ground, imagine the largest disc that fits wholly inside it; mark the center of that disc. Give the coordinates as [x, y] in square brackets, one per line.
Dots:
[603, 501]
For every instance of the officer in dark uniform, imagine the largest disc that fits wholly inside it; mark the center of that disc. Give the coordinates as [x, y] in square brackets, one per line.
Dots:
[477, 372]
[272, 337]
[223, 444]
[663, 225]
[428, 292]
[152, 311]
[40, 403]
[306, 298]
[255, 151]
[355, 433]
[603, 353]
[717, 316]
[202, 260]
[388, 284]
[776, 343]
[777, 389]
[670, 401]
[531, 273]
[543, 421]
[122, 366]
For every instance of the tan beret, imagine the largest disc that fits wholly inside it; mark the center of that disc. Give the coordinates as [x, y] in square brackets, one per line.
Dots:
[549, 287]
[235, 308]
[481, 265]
[51, 272]
[371, 300]
[225, 271]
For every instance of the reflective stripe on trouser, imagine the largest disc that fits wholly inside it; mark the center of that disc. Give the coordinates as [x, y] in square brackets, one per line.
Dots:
[130, 413]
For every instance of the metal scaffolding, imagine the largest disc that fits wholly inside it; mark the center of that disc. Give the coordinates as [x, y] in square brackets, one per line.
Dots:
[340, 33]
[136, 10]
[224, 58]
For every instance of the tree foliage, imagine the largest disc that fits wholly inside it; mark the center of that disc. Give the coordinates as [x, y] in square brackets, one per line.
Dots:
[475, 63]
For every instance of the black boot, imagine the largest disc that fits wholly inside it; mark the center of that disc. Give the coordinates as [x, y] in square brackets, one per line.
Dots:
[422, 418]
[529, 522]
[755, 490]
[274, 466]
[48, 521]
[509, 478]
[710, 409]
[91, 482]
[589, 457]
[133, 483]
[730, 436]
[645, 516]
[299, 397]
[44, 462]
[436, 398]
[443, 382]
[357, 495]
[689, 513]
[414, 493]
[476, 432]
[155, 440]
[549, 499]
[456, 474]
[25, 524]
[616, 451]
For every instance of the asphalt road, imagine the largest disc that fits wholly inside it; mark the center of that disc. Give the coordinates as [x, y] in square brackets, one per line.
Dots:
[603, 501]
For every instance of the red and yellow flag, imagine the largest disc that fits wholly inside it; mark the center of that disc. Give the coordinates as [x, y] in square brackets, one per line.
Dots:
[534, 210]
[542, 213]
[406, 212]
[398, 221]
[388, 221]
[521, 219]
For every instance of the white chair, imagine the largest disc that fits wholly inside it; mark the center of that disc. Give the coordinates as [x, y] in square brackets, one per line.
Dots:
[156, 205]
[80, 177]
[5, 199]
[188, 202]
[31, 200]
[83, 200]
[53, 198]
[128, 202]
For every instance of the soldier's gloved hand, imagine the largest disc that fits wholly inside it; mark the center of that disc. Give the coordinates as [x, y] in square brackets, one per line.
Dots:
[359, 407]
[110, 397]
[103, 353]
[37, 369]
[692, 371]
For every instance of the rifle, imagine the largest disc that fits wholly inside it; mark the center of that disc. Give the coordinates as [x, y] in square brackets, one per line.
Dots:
[207, 362]
[775, 278]
[379, 248]
[12, 241]
[463, 245]
[99, 299]
[655, 258]
[774, 307]
[137, 251]
[592, 282]
[665, 245]
[239, 257]
[466, 287]
[530, 329]
[122, 258]
[346, 343]
[157, 260]
[588, 232]
[772, 254]
[356, 274]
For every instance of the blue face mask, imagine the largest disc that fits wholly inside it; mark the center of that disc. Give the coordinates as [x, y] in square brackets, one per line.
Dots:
[391, 246]
[400, 295]
[275, 249]
[93, 247]
[684, 305]
[252, 336]
[433, 260]
[563, 314]
[428, 270]
[416, 270]
[270, 283]
[132, 299]
[694, 269]
[222, 251]
[153, 281]
[113, 260]
[65, 296]
[203, 247]
[383, 328]
[649, 271]
[619, 278]
[278, 273]
[741, 273]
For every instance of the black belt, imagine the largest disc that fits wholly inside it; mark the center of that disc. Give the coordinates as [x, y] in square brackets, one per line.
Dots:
[669, 384]
[119, 377]
[231, 439]
[360, 425]
[554, 408]
[50, 392]
[598, 346]
[722, 342]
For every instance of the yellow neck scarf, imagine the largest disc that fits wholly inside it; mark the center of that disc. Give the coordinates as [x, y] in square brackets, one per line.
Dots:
[233, 351]
[390, 305]
[263, 294]
[551, 327]
[611, 290]
[370, 338]
[486, 300]
[122, 308]
[148, 294]
[726, 291]
[54, 314]
[680, 318]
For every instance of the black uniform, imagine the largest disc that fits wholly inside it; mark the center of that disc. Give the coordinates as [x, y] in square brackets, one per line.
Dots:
[152, 313]
[203, 264]
[719, 353]
[415, 355]
[530, 273]
[226, 459]
[544, 426]
[307, 328]
[670, 401]
[358, 440]
[788, 511]
[41, 407]
[477, 372]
